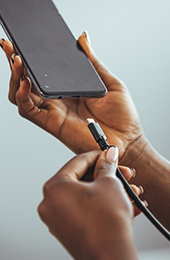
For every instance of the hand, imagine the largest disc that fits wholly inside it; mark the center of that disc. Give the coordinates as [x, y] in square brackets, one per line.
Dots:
[66, 119]
[90, 219]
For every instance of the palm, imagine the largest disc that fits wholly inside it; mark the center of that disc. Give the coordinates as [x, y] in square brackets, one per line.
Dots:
[66, 119]
[113, 112]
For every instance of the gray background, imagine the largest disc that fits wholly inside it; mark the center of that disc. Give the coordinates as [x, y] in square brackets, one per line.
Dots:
[133, 39]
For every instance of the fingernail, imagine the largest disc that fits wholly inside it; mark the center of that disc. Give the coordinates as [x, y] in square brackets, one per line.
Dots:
[22, 78]
[12, 58]
[146, 203]
[87, 36]
[1, 42]
[142, 189]
[85, 33]
[133, 171]
[112, 154]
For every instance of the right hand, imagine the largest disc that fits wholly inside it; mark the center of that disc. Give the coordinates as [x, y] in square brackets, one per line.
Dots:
[90, 219]
[66, 119]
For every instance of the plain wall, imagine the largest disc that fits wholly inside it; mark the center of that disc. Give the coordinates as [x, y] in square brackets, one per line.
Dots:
[133, 39]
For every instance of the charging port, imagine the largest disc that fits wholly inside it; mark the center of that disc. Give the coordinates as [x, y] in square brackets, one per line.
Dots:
[75, 97]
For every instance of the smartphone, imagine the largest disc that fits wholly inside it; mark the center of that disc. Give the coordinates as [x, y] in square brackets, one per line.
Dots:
[51, 55]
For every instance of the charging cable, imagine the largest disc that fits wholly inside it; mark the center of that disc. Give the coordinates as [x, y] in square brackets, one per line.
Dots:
[101, 139]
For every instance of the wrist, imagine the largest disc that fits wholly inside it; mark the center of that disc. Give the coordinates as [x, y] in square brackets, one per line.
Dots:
[107, 243]
[136, 154]
[152, 173]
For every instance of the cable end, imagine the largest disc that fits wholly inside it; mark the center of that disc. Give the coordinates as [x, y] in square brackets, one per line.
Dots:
[98, 134]
[90, 120]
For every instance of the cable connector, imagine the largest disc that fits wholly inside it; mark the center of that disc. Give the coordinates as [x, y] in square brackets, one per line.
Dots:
[98, 134]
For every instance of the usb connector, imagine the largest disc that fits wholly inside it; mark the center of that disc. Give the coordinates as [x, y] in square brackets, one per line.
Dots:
[98, 134]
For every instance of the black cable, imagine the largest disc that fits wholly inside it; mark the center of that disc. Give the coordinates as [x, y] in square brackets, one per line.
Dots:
[101, 139]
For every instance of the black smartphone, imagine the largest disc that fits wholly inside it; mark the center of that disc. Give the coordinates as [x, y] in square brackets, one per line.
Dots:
[55, 63]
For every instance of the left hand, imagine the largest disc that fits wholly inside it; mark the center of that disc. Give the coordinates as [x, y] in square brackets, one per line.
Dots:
[66, 119]
[84, 216]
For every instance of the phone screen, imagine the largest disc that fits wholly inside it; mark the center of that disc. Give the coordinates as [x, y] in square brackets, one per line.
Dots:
[54, 62]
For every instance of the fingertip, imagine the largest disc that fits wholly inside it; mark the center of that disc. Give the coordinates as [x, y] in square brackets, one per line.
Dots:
[145, 203]
[137, 189]
[24, 89]
[17, 60]
[1, 42]
[107, 163]
[84, 42]
[85, 33]
[141, 189]
[112, 154]
[127, 173]
[82, 39]
[12, 60]
[26, 82]
[8, 48]
[16, 63]
[17, 68]
[133, 172]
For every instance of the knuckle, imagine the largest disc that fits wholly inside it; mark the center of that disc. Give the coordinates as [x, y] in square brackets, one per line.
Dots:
[41, 210]
[47, 188]
[51, 189]
[33, 111]
[21, 112]
[11, 98]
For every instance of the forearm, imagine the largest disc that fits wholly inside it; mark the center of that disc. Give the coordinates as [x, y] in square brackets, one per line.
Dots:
[153, 173]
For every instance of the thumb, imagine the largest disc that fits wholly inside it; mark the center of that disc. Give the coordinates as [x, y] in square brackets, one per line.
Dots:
[111, 81]
[107, 163]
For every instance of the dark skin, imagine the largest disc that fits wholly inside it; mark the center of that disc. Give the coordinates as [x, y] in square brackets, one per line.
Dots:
[91, 219]
[118, 118]
[44, 114]
[66, 118]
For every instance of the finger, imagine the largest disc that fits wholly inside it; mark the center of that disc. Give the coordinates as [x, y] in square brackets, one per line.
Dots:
[137, 189]
[2, 42]
[78, 166]
[127, 172]
[8, 48]
[137, 211]
[111, 82]
[28, 103]
[17, 73]
[107, 164]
